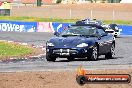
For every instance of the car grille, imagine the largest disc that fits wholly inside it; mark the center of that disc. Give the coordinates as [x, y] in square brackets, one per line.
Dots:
[65, 51]
[116, 30]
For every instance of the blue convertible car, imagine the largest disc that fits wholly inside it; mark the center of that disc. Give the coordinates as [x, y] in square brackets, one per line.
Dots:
[81, 41]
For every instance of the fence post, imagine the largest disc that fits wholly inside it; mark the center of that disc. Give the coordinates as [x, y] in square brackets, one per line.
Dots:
[91, 14]
[113, 16]
[70, 13]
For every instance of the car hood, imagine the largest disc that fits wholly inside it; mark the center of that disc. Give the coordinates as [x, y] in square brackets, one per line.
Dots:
[69, 42]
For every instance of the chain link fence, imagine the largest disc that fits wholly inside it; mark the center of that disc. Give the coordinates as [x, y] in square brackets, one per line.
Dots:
[19, 8]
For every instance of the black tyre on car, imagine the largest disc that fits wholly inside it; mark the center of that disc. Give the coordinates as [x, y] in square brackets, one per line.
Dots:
[94, 54]
[115, 36]
[111, 54]
[50, 59]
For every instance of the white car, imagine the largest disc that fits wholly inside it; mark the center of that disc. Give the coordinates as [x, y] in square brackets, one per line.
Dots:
[112, 29]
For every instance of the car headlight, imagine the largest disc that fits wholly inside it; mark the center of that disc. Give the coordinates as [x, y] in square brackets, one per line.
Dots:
[49, 44]
[116, 28]
[82, 45]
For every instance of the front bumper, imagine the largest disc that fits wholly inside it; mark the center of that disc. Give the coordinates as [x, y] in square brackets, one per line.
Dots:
[68, 52]
[115, 33]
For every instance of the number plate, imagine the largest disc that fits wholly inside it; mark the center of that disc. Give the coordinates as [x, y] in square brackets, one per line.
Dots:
[67, 54]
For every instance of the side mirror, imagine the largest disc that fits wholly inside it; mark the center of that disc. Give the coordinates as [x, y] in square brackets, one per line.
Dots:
[56, 33]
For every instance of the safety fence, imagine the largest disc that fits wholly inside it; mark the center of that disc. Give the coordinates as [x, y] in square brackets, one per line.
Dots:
[104, 12]
[17, 26]
[126, 29]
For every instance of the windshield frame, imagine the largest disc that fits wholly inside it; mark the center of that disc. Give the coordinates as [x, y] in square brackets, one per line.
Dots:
[80, 31]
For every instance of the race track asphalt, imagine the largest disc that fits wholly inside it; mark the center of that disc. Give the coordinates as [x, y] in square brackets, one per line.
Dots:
[122, 60]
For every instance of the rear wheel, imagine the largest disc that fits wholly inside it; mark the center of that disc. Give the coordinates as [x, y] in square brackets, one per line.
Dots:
[115, 36]
[94, 55]
[111, 54]
[50, 59]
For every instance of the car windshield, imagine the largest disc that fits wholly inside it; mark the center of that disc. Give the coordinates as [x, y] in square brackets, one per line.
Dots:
[78, 31]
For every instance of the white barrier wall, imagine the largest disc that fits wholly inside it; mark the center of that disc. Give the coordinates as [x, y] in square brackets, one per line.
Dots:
[17, 26]
[126, 1]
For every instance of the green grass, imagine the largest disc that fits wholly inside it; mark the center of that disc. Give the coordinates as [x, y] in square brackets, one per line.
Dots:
[35, 19]
[118, 22]
[13, 50]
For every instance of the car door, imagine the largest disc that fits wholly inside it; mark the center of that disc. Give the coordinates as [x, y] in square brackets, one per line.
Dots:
[102, 41]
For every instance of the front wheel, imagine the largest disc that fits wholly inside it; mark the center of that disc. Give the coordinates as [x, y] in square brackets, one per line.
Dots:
[50, 59]
[94, 55]
[111, 54]
[115, 36]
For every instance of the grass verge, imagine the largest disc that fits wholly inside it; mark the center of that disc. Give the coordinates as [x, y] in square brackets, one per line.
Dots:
[36, 19]
[11, 50]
